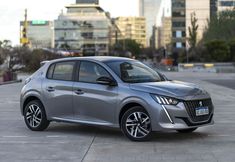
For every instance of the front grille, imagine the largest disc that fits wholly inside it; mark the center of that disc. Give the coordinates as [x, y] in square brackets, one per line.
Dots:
[191, 109]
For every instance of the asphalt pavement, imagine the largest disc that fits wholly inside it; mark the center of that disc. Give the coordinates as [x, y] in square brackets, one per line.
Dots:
[74, 142]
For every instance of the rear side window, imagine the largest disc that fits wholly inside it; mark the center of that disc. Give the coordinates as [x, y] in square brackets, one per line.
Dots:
[61, 71]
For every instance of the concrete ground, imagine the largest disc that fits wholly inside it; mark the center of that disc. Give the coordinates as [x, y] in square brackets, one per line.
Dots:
[69, 142]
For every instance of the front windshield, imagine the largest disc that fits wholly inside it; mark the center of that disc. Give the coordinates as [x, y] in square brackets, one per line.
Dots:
[134, 72]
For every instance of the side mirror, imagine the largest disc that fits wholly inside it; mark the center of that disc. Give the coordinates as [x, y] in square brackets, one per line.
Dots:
[106, 81]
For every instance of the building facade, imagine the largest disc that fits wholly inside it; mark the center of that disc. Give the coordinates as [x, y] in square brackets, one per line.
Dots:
[166, 32]
[85, 27]
[150, 10]
[182, 11]
[132, 28]
[39, 33]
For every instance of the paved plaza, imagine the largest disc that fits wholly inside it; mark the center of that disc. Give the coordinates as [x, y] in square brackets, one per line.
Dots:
[74, 142]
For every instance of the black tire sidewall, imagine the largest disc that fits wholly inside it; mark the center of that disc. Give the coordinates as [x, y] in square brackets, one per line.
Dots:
[44, 123]
[123, 124]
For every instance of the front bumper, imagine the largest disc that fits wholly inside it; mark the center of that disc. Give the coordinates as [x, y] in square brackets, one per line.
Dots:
[179, 117]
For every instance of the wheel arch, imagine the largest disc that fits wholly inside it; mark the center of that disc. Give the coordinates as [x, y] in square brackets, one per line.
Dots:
[29, 99]
[128, 106]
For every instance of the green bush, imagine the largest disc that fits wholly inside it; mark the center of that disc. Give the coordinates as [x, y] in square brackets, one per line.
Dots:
[217, 51]
[232, 50]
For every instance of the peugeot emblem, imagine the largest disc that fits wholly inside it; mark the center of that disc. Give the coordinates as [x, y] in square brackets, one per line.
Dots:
[200, 103]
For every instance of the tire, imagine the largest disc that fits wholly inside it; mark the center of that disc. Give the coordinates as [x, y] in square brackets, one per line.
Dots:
[190, 130]
[136, 124]
[35, 116]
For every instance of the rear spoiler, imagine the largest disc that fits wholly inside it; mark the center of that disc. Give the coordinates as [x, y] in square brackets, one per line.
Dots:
[43, 63]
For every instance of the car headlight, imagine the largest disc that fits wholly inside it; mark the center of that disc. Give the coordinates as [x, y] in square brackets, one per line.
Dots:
[165, 100]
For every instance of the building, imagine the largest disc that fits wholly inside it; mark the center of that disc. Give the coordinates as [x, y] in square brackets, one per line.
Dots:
[39, 33]
[165, 32]
[85, 27]
[132, 28]
[223, 5]
[182, 11]
[150, 10]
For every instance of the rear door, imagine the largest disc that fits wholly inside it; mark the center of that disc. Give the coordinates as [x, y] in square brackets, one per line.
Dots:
[58, 89]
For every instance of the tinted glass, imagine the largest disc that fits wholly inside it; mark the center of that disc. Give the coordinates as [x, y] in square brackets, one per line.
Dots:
[134, 72]
[50, 71]
[90, 72]
[64, 71]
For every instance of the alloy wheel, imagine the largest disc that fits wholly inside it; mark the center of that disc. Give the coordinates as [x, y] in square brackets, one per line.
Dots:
[34, 116]
[138, 124]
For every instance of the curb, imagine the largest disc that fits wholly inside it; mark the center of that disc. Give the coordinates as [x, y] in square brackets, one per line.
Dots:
[11, 82]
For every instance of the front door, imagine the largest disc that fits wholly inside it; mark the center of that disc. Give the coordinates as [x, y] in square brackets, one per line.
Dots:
[94, 102]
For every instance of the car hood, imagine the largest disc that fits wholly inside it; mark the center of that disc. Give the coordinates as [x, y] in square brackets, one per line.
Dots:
[177, 89]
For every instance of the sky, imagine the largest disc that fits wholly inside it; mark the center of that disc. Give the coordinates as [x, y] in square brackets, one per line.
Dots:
[12, 13]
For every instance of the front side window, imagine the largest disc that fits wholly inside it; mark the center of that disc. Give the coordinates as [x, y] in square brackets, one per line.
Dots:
[61, 71]
[89, 72]
[134, 72]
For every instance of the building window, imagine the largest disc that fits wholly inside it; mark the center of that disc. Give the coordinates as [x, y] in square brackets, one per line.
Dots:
[178, 3]
[178, 44]
[178, 24]
[227, 3]
[178, 34]
[178, 14]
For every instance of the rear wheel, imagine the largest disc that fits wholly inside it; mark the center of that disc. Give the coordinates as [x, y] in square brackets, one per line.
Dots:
[136, 124]
[186, 130]
[35, 116]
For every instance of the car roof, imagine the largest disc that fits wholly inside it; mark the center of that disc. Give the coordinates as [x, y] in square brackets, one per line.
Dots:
[103, 59]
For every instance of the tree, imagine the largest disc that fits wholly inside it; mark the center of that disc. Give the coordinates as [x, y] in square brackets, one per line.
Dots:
[5, 52]
[193, 31]
[218, 51]
[131, 46]
[221, 27]
[232, 50]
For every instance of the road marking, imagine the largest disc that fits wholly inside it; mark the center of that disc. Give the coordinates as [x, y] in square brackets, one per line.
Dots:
[14, 136]
[219, 135]
[56, 136]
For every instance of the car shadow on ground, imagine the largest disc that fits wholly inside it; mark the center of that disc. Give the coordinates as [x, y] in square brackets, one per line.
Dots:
[113, 133]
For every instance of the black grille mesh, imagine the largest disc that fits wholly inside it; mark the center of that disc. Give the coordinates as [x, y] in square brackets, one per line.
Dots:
[191, 109]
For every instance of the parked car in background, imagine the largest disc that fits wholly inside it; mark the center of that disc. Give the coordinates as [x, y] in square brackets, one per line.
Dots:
[115, 92]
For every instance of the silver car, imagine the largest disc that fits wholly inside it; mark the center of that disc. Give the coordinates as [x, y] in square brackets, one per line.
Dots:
[115, 92]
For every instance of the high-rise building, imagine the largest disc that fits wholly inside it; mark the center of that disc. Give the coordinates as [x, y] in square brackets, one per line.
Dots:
[182, 11]
[165, 32]
[85, 27]
[150, 10]
[132, 28]
[39, 33]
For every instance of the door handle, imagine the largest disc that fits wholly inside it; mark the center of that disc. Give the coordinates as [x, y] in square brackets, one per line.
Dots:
[50, 89]
[78, 92]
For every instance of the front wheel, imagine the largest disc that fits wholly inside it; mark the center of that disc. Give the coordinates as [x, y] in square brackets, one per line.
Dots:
[35, 116]
[186, 130]
[136, 124]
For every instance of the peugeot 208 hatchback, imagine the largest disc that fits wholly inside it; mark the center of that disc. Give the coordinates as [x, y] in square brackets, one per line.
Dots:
[113, 91]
